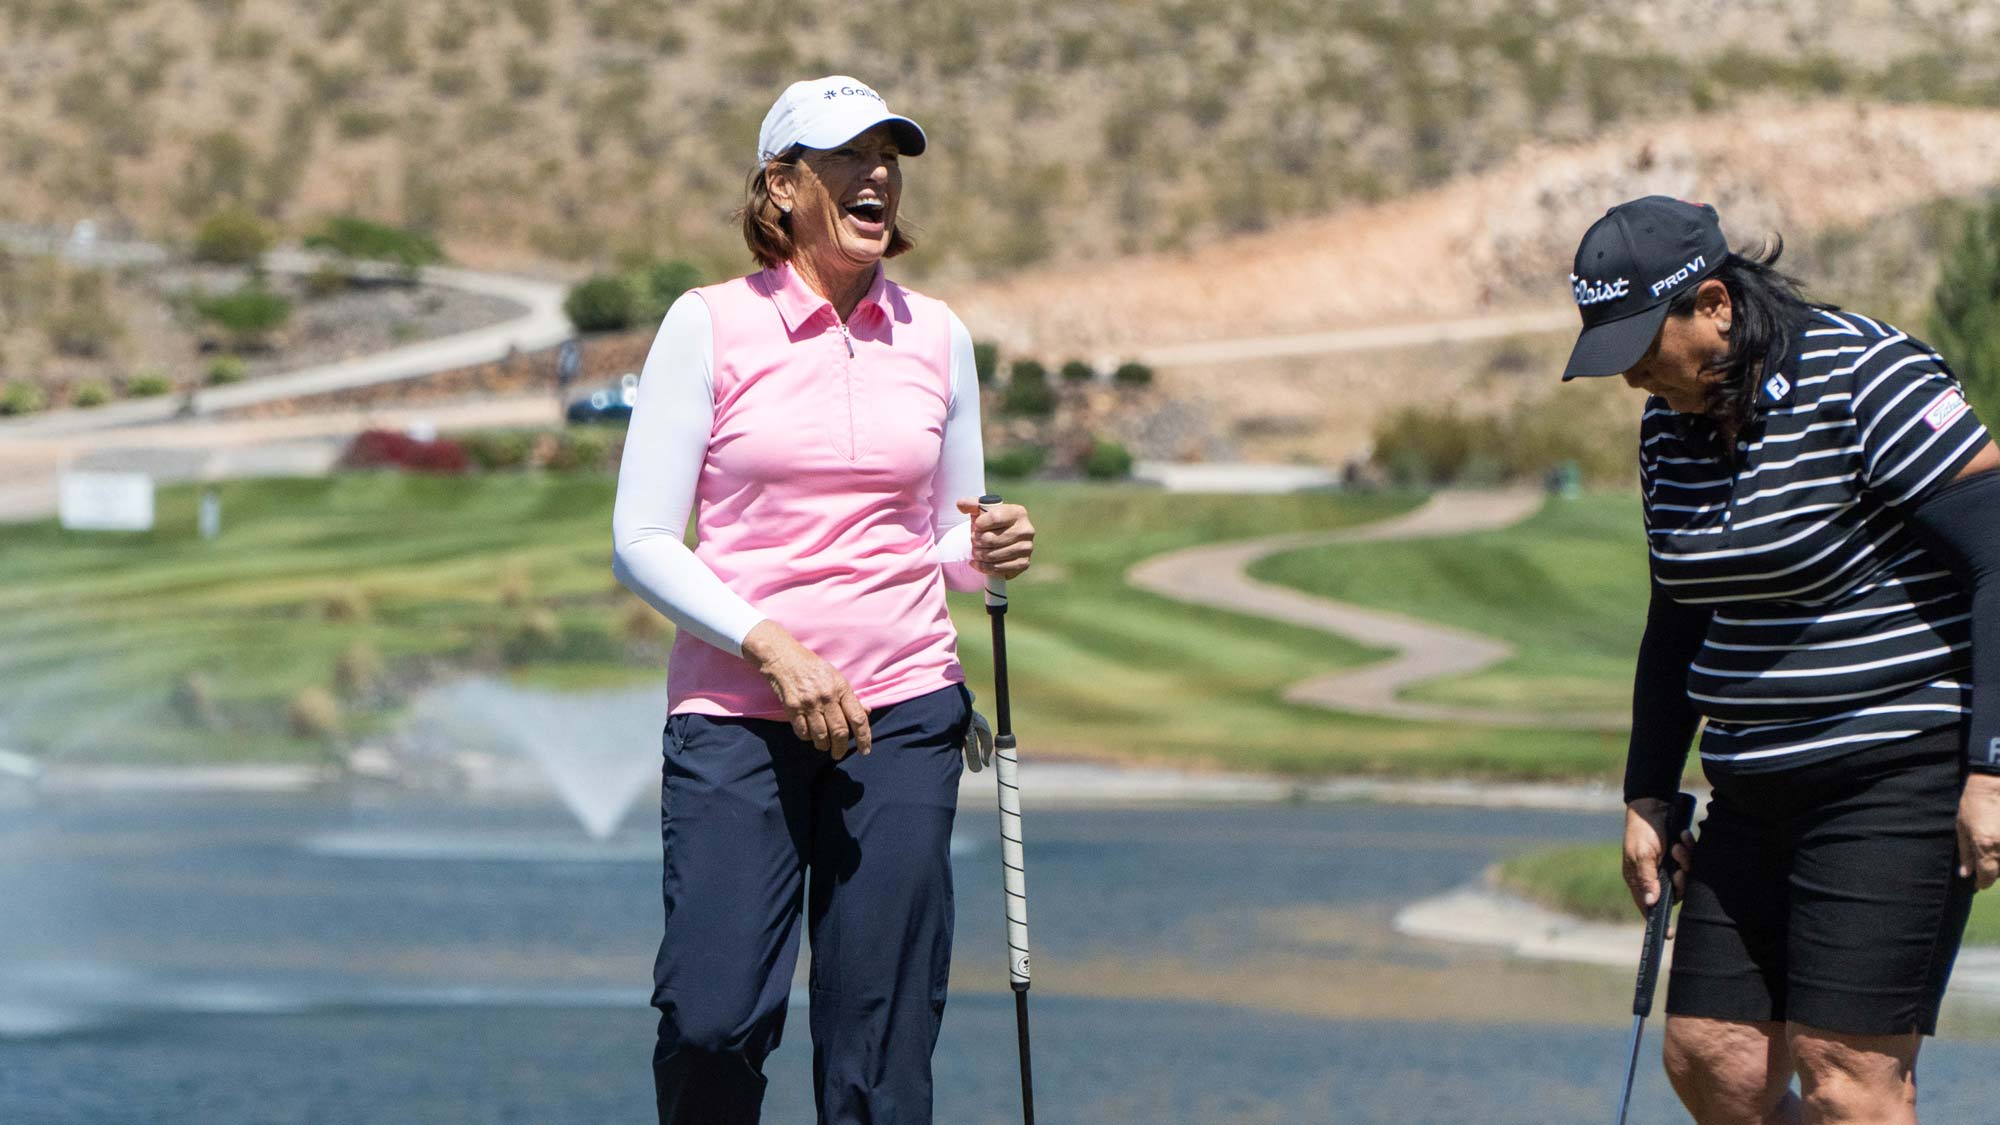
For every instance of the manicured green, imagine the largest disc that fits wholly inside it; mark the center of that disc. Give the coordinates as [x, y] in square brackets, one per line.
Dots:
[1585, 880]
[1566, 587]
[101, 633]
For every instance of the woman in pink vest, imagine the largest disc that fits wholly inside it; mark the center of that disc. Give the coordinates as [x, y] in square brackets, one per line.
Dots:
[822, 424]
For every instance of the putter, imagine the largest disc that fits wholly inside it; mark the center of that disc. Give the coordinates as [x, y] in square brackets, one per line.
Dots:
[1005, 771]
[1678, 820]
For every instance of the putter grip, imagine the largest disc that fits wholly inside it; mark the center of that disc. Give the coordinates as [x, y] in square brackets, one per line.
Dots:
[996, 588]
[1678, 821]
[1006, 767]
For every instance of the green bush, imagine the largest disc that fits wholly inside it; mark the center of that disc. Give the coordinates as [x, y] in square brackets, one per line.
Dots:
[1418, 446]
[1132, 374]
[249, 315]
[1107, 460]
[226, 369]
[501, 449]
[582, 450]
[89, 393]
[362, 240]
[22, 398]
[1077, 371]
[660, 285]
[1965, 310]
[232, 236]
[1028, 391]
[148, 384]
[1016, 462]
[986, 361]
[602, 304]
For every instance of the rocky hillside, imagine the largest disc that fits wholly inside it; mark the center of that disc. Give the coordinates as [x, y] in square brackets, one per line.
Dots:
[545, 131]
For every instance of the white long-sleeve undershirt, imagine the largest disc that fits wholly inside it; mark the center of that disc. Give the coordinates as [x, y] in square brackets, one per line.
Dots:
[667, 444]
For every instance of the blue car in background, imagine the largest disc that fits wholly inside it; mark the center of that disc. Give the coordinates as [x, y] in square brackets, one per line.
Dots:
[611, 403]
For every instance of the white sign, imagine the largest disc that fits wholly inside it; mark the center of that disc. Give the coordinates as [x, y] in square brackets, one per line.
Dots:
[96, 501]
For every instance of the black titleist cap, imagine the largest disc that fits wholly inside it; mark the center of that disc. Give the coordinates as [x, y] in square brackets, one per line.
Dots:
[1632, 262]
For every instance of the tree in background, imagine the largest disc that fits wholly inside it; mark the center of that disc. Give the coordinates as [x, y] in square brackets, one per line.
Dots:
[1965, 310]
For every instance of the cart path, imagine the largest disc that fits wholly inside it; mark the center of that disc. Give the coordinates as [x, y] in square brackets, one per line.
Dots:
[1218, 576]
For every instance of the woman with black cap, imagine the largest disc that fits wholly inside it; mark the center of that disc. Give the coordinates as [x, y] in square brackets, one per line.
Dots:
[1821, 508]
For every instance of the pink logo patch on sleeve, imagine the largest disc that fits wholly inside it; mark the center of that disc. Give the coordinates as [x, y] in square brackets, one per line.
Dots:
[1949, 407]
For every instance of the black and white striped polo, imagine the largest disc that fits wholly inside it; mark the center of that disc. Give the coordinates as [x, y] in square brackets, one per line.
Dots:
[1833, 629]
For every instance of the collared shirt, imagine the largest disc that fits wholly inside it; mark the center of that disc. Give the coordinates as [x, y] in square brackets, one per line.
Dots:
[1833, 629]
[822, 461]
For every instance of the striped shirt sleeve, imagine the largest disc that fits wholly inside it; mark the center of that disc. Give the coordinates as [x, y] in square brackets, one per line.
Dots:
[1915, 428]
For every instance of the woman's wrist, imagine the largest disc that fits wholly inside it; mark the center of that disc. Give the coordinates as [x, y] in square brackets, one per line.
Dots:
[765, 642]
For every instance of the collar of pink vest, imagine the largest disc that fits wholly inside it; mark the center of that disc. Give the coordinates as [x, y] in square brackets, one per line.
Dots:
[798, 303]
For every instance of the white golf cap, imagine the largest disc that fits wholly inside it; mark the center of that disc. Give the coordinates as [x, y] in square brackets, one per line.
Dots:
[825, 112]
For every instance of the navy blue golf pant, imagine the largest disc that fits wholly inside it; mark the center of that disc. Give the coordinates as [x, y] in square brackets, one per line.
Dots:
[747, 811]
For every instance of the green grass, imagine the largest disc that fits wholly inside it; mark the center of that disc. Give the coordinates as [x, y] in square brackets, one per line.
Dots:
[1566, 587]
[1584, 880]
[99, 629]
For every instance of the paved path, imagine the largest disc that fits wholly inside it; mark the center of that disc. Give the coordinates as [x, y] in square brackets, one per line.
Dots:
[1361, 339]
[541, 324]
[1217, 576]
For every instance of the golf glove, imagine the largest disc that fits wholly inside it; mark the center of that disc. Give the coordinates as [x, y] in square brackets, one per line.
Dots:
[978, 743]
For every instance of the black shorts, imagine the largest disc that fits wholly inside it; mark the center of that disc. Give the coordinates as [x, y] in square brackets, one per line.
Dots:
[1828, 895]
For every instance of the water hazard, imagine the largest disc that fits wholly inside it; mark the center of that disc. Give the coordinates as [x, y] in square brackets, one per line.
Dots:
[179, 957]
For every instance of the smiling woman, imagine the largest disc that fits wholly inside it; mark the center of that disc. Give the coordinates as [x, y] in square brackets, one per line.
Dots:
[823, 424]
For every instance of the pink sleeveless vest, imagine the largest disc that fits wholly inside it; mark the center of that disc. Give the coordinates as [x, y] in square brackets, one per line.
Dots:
[814, 503]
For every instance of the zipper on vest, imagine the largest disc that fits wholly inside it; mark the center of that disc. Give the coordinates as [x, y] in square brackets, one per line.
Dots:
[847, 339]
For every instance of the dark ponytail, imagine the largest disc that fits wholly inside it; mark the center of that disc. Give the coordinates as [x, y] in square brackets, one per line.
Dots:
[1768, 311]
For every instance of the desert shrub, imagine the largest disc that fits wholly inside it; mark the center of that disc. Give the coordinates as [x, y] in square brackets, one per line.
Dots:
[1028, 391]
[226, 369]
[454, 81]
[22, 398]
[249, 314]
[601, 304]
[148, 384]
[1107, 460]
[362, 240]
[538, 16]
[1016, 462]
[1077, 371]
[232, 236]
[526, 78]
[386, 449]
[85, 324]
[360, 124]
[1432, 446]
[986, 361]
[1132, 374]
[219, 168]
[89, 392]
